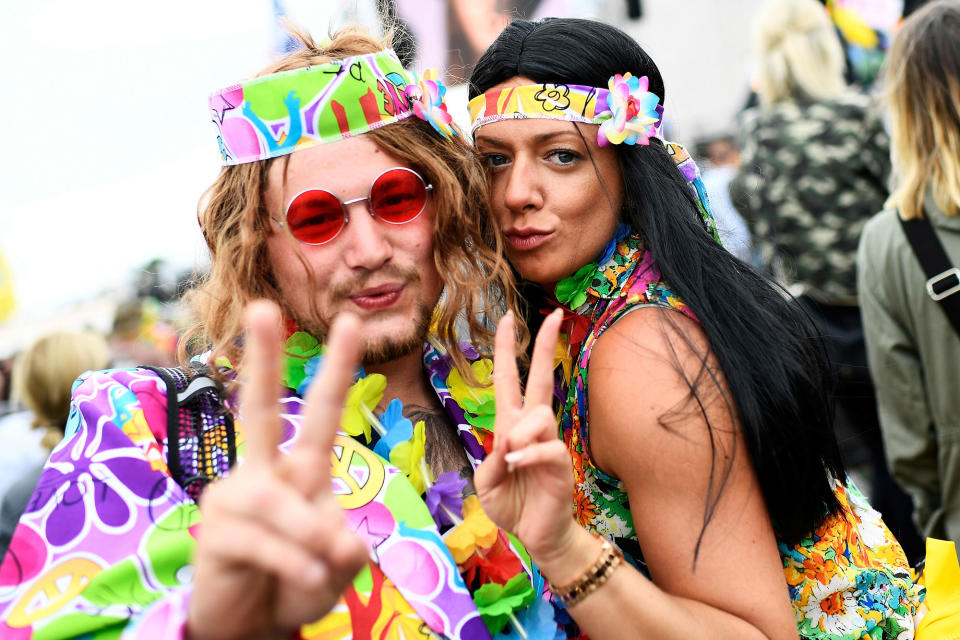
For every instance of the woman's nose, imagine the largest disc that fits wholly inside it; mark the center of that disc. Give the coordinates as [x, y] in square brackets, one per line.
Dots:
[522, 189]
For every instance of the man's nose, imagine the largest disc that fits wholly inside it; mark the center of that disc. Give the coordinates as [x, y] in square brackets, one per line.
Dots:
[367, 239]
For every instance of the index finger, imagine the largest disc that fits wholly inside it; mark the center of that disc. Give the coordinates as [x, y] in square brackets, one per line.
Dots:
[506, 378]
[539, 389]
[326, 395]
[260, 391]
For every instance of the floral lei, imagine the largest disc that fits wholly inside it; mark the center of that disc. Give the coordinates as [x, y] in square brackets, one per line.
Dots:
[490, 560]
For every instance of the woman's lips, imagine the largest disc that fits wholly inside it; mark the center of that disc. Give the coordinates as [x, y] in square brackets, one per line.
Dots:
[377, 298]
[527, 239]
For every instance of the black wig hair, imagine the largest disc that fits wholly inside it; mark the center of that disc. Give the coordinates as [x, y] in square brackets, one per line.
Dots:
[770, 352]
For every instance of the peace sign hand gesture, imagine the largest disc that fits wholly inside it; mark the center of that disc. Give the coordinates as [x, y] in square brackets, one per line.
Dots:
[526, 484]
[274, 552]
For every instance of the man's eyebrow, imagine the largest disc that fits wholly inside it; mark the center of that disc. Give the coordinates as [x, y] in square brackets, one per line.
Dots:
[537, 139]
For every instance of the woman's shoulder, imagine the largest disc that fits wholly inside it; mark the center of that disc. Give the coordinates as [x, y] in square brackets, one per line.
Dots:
[648, 358]
[654, 328]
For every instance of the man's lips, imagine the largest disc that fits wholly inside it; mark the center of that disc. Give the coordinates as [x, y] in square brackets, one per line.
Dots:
[527, 238]
[379, 297]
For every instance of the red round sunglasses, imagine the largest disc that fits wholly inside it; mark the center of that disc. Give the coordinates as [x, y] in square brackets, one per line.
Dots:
[397, 196]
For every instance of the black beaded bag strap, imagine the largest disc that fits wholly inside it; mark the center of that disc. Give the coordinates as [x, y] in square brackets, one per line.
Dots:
[201, 441]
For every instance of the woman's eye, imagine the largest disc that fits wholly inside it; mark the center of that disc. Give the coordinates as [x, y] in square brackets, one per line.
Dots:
[496, 159]
[564, 156]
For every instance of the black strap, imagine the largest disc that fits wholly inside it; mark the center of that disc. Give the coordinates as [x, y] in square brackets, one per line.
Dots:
[943, 279]
[201, 442]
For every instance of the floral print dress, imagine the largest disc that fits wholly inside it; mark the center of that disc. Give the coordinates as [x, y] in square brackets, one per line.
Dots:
[849, 579]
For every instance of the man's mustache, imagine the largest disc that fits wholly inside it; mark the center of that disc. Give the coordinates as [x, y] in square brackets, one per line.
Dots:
[390, 273]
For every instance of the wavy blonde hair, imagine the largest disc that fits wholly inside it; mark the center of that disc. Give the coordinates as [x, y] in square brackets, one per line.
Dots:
[467, 245]
[797, 52]
[43, 376]
[922, 80]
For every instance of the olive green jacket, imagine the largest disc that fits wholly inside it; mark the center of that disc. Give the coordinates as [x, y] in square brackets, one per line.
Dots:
[914, 357]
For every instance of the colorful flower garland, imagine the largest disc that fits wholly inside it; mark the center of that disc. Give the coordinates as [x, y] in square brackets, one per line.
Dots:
[490, 560]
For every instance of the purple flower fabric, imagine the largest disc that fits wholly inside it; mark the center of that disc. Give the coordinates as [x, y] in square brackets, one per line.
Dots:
[445, 498]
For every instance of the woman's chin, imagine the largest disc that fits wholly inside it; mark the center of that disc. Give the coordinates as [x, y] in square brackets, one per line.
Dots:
[546, 278]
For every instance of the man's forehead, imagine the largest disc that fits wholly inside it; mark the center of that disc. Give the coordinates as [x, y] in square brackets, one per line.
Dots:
[341, 166]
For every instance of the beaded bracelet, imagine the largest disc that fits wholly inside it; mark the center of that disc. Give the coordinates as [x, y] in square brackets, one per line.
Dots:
[593, 578]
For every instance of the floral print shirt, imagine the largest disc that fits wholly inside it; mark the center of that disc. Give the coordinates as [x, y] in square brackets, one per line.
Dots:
[849, 579]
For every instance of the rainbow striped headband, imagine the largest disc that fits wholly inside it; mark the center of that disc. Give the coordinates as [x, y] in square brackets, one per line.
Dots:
[279, 113]
[626, 111]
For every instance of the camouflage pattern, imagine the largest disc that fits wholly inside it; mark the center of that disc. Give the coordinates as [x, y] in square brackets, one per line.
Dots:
[812, 174]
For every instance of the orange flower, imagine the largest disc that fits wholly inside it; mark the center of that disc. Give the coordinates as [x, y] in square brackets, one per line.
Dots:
[819, 567]
[584, 511]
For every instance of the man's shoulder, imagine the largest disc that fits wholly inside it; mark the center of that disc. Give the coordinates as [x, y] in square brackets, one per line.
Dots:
[105, 381]
[130, 397]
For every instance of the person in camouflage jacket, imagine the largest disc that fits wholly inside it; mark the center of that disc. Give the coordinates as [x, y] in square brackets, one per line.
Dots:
[813, 172]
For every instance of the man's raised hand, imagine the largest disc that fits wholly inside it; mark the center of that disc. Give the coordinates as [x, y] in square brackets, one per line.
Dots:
[273, 551]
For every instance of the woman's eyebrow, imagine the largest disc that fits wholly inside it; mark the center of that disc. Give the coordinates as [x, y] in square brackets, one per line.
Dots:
[537, 139]
[494, 142]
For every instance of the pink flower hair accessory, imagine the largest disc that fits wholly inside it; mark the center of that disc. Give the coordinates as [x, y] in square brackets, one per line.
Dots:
[426, 94]
[634, 112]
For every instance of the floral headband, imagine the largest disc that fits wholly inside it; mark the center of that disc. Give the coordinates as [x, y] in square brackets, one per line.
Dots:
[626, 111]
[276, 114]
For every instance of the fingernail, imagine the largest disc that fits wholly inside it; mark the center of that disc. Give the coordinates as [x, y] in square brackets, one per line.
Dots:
[558, 312]
[509, 314]
[512, 459]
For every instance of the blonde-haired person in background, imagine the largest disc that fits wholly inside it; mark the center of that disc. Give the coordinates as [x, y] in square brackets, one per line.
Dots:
[797, 52]
[914, 352]
[815, 166]
[43, 377]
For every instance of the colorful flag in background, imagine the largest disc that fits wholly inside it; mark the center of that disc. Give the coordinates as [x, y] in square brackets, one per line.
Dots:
[7, 300]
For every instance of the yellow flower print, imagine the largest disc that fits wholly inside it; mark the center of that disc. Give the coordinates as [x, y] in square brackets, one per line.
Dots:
[362, 398]
[476, 530]
[409, 457]
[460, 390]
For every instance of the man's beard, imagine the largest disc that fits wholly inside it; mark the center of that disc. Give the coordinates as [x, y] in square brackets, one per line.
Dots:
[385, 348]
[395, 347]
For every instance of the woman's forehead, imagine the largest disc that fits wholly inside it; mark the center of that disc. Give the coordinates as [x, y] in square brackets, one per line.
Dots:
[533, 131]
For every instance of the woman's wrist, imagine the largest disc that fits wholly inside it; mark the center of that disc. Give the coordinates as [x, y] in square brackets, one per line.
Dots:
[595, 576]
[568, 556]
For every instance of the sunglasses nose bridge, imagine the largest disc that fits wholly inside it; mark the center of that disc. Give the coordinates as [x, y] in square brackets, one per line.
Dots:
[344, 205]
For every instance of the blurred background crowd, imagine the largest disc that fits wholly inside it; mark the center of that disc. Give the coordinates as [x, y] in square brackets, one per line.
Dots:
[98, 234]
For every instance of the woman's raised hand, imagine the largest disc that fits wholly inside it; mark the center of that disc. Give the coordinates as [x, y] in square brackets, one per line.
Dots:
[273, 551]
[526, 484]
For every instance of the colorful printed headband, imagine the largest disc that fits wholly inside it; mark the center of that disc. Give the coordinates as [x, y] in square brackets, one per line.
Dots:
[277, 114]
[626, 112]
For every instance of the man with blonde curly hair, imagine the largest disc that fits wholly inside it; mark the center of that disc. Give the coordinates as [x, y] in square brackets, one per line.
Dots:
[349, 222]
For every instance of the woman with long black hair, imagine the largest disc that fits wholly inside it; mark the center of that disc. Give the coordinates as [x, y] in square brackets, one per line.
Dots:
[702, 449]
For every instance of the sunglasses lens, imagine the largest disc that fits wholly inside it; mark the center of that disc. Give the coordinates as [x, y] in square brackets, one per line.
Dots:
[315, 216]
[398, 196]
